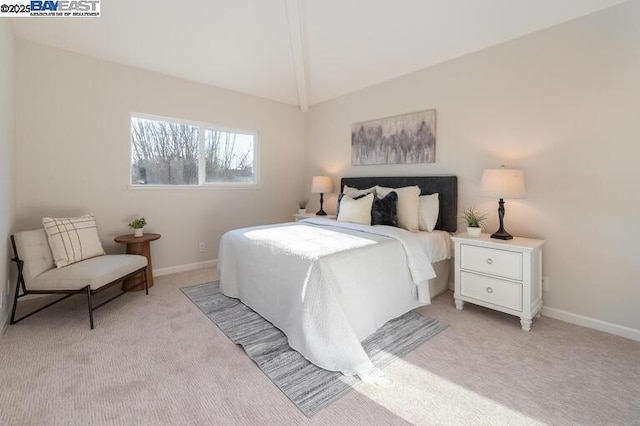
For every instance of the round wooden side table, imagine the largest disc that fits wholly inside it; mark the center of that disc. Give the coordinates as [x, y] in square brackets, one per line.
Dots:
[141, 246]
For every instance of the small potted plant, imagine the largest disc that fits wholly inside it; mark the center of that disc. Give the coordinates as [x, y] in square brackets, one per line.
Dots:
[138, 226]
[475, 221]
[302, 206]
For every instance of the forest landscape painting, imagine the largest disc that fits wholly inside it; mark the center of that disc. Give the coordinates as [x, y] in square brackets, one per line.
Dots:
[403, 139]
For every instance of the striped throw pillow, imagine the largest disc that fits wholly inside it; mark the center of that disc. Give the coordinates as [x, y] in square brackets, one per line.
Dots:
[72, 239]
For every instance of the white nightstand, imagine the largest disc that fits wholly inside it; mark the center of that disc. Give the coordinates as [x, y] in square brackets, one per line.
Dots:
[298, 217]
[505, 275]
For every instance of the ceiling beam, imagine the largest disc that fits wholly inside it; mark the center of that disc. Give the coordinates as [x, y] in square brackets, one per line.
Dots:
[298, 51]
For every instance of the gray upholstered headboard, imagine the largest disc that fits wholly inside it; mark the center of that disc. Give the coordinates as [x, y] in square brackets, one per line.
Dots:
[445, 186]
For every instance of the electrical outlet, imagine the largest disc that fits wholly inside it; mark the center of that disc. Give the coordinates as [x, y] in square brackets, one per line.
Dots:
[1, 298]
[545, 283]
[202, 247]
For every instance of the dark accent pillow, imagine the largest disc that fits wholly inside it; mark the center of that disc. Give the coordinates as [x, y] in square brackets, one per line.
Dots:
[384, 211]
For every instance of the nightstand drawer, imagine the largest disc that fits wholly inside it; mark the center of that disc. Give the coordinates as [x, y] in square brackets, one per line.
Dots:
[503, 263]
[502, 293]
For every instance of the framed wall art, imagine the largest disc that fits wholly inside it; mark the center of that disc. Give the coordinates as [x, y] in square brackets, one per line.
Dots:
[403, 139]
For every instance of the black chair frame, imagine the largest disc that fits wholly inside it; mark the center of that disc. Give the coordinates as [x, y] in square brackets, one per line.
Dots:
[20, 285]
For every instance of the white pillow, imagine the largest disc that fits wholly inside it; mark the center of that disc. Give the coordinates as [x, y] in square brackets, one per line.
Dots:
[357, 211]
[72, 239]
[354, 192]
[408, 200]
[428, 209]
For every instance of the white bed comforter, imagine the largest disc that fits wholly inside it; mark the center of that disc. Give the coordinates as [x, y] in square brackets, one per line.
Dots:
[327, 285]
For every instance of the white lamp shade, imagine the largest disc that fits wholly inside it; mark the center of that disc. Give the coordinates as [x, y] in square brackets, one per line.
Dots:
[503, 183]
[321, 184]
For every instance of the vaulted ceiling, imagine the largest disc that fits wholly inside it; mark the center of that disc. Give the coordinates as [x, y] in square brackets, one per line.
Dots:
[299, 52]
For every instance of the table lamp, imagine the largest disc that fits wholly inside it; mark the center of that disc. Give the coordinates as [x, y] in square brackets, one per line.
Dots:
[321, 184]
[502, 183]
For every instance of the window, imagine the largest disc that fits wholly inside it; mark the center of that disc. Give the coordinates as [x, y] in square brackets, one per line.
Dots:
[166, 152]
[228, 156]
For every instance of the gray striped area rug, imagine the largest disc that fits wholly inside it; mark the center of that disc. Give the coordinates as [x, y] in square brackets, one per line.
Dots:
[309, 387]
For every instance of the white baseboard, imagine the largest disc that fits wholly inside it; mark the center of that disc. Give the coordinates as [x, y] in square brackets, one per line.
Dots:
[185, 268]
[596, 324]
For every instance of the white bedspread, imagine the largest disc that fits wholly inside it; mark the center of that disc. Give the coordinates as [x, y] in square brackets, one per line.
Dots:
[327, 285]
[419, 265]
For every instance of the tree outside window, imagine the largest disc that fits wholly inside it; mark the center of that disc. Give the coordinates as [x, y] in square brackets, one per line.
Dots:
[182, 153]
[228, 156]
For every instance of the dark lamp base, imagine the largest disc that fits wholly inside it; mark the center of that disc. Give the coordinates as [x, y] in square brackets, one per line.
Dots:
[321, 212]
[501, 234]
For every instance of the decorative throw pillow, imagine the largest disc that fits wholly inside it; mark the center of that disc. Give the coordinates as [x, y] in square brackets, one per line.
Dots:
[408, 198]
[428, 212]
[355, 197]
[384, 210]
[357, 211]
[72, 239]
[354, 192]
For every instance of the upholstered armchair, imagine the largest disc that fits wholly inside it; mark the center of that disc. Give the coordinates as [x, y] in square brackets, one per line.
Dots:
[38, 272]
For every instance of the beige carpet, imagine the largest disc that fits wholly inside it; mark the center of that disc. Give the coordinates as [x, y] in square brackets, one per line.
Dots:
[157, 360]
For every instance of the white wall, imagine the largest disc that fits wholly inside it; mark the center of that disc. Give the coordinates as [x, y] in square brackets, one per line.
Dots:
[73, 152]
[7, 157]
[562, 104]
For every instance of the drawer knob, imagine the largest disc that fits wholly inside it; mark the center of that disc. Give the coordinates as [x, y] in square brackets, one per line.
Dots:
[489, 261]
[489, 290]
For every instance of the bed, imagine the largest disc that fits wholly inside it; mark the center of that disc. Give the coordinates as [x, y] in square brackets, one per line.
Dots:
[328, 285]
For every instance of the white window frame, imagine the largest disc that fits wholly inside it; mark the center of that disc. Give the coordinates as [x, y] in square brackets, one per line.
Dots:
[202, 127]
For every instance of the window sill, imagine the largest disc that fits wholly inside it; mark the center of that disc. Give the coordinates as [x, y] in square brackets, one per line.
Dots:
[207, 186]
